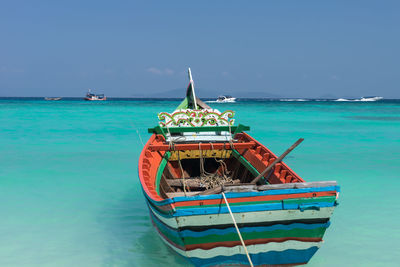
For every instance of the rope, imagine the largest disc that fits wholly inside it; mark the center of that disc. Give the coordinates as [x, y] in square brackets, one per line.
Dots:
[211, 180]
[237, 230]
[203, 171]
[172, 147]
[221, 162]
[183, 174]
[137, 131]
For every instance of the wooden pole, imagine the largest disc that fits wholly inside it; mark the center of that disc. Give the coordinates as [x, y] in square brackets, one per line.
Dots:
[255, 180]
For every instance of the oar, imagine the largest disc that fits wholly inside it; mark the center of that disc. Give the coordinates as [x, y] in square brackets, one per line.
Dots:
[255, 180]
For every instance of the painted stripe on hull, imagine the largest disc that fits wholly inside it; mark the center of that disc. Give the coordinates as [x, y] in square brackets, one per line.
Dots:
[288, 257]
[295, 234]
[175, 240]
[245, 228]
[257, 224]
[246, 217]
[261, 199]
[248, 242]
[230, 239]
[289, 252]
[186, 233]
[172, 235]
[170, 221]
[231, 196]
[283, 205]
[253, 249]
[259, 193]
[254, 217]
[328, 198]
[250, 208]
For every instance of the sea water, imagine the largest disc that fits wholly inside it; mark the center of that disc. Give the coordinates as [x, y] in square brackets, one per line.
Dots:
[70, 194]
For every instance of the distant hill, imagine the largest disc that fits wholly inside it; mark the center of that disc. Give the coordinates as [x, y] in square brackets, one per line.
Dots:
[206, 93]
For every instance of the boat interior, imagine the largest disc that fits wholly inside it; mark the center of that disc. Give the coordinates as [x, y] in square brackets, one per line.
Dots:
[192, 168]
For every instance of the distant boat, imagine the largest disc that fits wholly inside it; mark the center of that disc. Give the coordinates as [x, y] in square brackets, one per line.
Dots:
[52, 98]
[93, 97]
[226, 99]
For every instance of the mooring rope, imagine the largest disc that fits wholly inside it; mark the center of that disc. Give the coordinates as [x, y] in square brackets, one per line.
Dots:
[137, 131]
[237, 229]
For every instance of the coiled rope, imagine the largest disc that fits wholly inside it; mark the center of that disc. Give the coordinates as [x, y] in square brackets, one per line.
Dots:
[211, 180]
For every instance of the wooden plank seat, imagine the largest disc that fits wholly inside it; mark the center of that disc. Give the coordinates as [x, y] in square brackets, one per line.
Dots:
[189, 182]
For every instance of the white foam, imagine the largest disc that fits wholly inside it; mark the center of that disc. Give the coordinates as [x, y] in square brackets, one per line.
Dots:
[362, 99]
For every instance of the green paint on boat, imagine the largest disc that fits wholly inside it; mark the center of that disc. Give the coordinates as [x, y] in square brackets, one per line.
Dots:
[184, 104]
[233, 129]
[160, 170]
[295, 233]
[245, 162]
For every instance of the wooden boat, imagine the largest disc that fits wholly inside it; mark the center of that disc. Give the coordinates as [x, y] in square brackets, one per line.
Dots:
[93, 97]
[198, 173]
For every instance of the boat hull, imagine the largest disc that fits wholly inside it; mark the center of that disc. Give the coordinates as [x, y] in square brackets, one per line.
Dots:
[276, 232]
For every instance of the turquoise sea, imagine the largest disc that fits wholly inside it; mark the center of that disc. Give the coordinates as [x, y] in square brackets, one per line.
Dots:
[70, 195]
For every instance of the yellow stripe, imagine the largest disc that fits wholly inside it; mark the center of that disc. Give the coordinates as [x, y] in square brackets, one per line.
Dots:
[195, 154]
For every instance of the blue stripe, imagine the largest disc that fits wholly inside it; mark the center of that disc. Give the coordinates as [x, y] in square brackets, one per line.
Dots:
[189, 233]
[290, 256]
[248, 208]
[199, 210]
[260, 193]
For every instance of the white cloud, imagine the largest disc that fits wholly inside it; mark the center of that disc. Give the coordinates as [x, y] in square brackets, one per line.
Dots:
[157, 71]
[169, 71]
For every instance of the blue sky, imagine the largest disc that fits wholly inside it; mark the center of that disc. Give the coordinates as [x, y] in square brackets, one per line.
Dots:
[143, 48]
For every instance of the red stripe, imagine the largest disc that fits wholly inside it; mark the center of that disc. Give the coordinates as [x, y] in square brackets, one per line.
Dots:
[253, 199]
